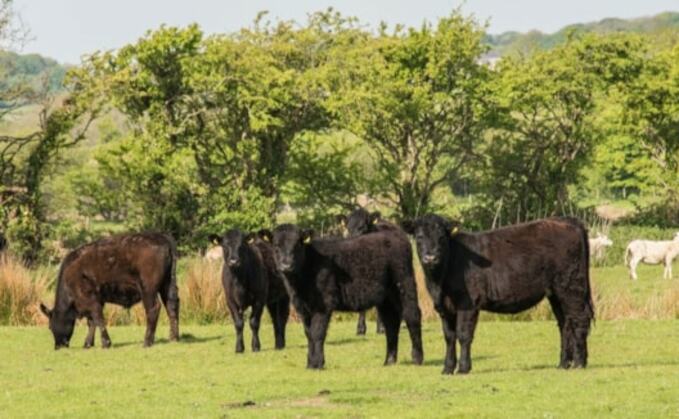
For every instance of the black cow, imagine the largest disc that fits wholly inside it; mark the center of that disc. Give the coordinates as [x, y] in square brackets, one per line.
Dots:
[3, 242]
[507, 270]
[250, 279]
[357, 223]
[350, 274]
[122, 270]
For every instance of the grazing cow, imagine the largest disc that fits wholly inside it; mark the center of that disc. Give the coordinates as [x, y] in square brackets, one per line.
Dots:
[122, 270]
[350, 274]
[506, 271]
[357, 223]
[652, 253]
[598, 244]
[251, 279]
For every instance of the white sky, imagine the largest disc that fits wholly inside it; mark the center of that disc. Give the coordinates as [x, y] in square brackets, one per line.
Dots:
[66, 29]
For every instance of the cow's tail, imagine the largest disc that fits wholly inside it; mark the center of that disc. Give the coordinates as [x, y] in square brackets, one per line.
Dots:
[588, 285]
[172, 292]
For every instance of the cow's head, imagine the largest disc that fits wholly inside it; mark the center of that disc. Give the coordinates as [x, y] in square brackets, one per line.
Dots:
[233, 245]
[289, 242]
[432, 234]
[61, 323]
[360, 222]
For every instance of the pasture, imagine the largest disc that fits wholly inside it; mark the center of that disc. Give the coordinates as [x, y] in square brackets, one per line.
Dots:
[633, 372]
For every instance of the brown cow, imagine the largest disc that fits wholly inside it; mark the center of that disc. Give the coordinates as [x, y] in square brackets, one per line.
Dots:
[122, 270]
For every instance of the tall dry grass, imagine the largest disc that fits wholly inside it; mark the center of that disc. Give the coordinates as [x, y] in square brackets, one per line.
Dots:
[201, 292]
[202, 298]
[21, 291]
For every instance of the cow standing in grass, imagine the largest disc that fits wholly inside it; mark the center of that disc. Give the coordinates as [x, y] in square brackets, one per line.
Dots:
[251, 279]
[350, 274]
[122, 270]
[652, 253]
[506, 271]
[357, 223]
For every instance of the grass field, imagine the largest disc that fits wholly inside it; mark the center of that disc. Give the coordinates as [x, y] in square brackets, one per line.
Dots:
[633, 372]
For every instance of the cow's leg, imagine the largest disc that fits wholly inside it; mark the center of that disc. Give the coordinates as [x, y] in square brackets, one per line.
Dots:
[152, 308]
[317, 332]
[360, 326]
[449, 323]
[255, 320]
[566, 356]
[170, 296]
[91, 329]
[98, 320]
[238, 323]
[380, 326]
[578, 316]
[667, 274]
[466, 325]
[392, 323]
[306, 320]
[413, 319]
[281, 313]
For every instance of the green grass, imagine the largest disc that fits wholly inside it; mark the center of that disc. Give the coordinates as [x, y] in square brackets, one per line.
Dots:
[633, 372]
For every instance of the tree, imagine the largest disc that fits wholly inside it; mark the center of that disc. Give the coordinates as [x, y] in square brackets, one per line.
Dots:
[545, 131]
[415, 97]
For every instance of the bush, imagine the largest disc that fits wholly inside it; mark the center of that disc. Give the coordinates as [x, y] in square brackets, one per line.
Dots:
[20, 293]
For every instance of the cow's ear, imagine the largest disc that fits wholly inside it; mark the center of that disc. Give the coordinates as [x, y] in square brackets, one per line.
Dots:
[250, 238]
[307, 235]
[342, 220]
[453, 227]
[214, 239]
[46, 311]
[408, 226]
[375, 217]
[265, 235]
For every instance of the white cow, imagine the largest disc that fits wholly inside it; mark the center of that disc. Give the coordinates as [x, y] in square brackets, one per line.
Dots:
[652, 253]
[214, 254]
[597, 245]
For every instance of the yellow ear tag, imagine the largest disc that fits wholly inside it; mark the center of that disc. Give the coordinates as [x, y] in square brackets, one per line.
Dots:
[375, 221]
[307, 240]
[454, 230]
[266, 238]
[215, 242]
[251, 240]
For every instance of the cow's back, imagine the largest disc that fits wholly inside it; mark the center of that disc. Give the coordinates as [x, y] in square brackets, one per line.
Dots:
[519, 265]
[364, 267]
[119, 269]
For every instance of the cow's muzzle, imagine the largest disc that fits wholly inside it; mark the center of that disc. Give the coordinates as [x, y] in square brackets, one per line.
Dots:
[430, 259]
[233, 263]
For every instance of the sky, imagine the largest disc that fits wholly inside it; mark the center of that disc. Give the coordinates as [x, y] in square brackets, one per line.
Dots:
[67, 29]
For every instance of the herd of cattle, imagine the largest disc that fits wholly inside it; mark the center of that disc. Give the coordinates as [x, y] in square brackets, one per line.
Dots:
[506, 270]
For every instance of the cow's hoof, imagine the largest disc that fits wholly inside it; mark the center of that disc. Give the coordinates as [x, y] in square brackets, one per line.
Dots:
[106, 344]
[88, 345]
[418, 358]
[448, 370]
[464, 369]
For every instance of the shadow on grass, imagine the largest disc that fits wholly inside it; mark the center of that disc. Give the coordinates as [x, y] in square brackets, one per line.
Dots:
[594, 366]
[439, 361]
[185, 338]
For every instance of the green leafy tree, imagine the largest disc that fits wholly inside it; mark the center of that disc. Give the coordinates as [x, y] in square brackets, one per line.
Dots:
[415, 97]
